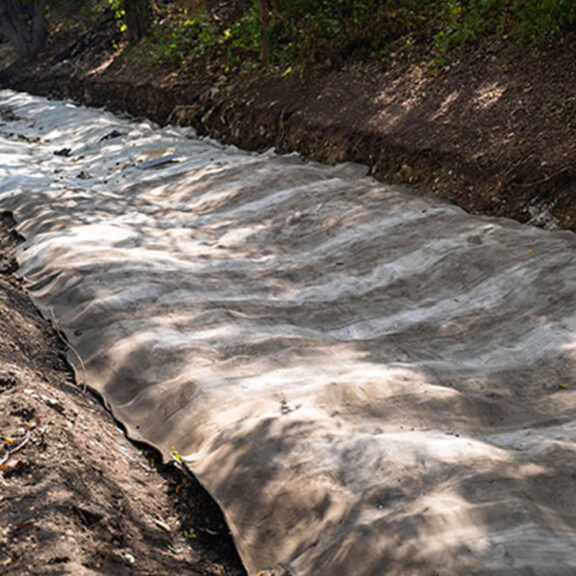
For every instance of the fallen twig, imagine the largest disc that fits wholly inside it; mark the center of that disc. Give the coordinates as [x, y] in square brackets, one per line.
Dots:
[11, 451]
[543, 180]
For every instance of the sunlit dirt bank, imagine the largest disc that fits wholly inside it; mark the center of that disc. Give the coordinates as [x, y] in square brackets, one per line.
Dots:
[492, 131]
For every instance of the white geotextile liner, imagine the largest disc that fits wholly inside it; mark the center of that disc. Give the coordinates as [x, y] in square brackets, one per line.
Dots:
[367, 381]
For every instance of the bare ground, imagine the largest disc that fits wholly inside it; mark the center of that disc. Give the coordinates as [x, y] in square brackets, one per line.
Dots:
[494, 130]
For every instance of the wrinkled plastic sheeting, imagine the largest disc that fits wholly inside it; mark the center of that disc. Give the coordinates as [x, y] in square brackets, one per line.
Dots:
[368, 382]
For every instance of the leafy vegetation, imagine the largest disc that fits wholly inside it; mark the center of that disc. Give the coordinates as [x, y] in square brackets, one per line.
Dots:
[294, 33]
[291, 34]
[24, 22]
[519, 21]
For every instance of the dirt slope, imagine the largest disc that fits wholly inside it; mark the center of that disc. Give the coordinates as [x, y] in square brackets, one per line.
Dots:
[494, 130]
[68, 505]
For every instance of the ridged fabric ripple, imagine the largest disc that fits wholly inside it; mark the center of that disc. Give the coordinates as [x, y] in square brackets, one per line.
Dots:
[368, 381]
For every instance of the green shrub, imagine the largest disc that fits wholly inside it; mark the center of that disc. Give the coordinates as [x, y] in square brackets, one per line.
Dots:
[521, 21]
[305, 32]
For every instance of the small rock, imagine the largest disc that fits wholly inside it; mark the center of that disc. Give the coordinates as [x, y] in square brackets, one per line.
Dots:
[111, 135]
[406, 171]
[65, 152]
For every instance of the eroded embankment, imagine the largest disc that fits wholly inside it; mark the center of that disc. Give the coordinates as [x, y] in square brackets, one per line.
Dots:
[494, 131]
[76, 497]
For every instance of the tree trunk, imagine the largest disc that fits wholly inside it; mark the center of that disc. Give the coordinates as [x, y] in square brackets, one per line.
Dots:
[264, 15]
[139, 18]
[24, 27]
[38, 26]
[269, 13]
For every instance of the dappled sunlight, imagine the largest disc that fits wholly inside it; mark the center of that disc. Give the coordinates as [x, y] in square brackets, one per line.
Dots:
[446, 104]
[367, 381]
[393, 109]
[488, 95]
[106, 63]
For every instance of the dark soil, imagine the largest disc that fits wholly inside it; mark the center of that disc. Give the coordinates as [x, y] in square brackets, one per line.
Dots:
[76, 497]
[494, 131]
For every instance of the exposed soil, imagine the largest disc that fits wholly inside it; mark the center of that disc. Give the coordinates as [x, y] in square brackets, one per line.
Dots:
[493, 131]
[76, 497]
